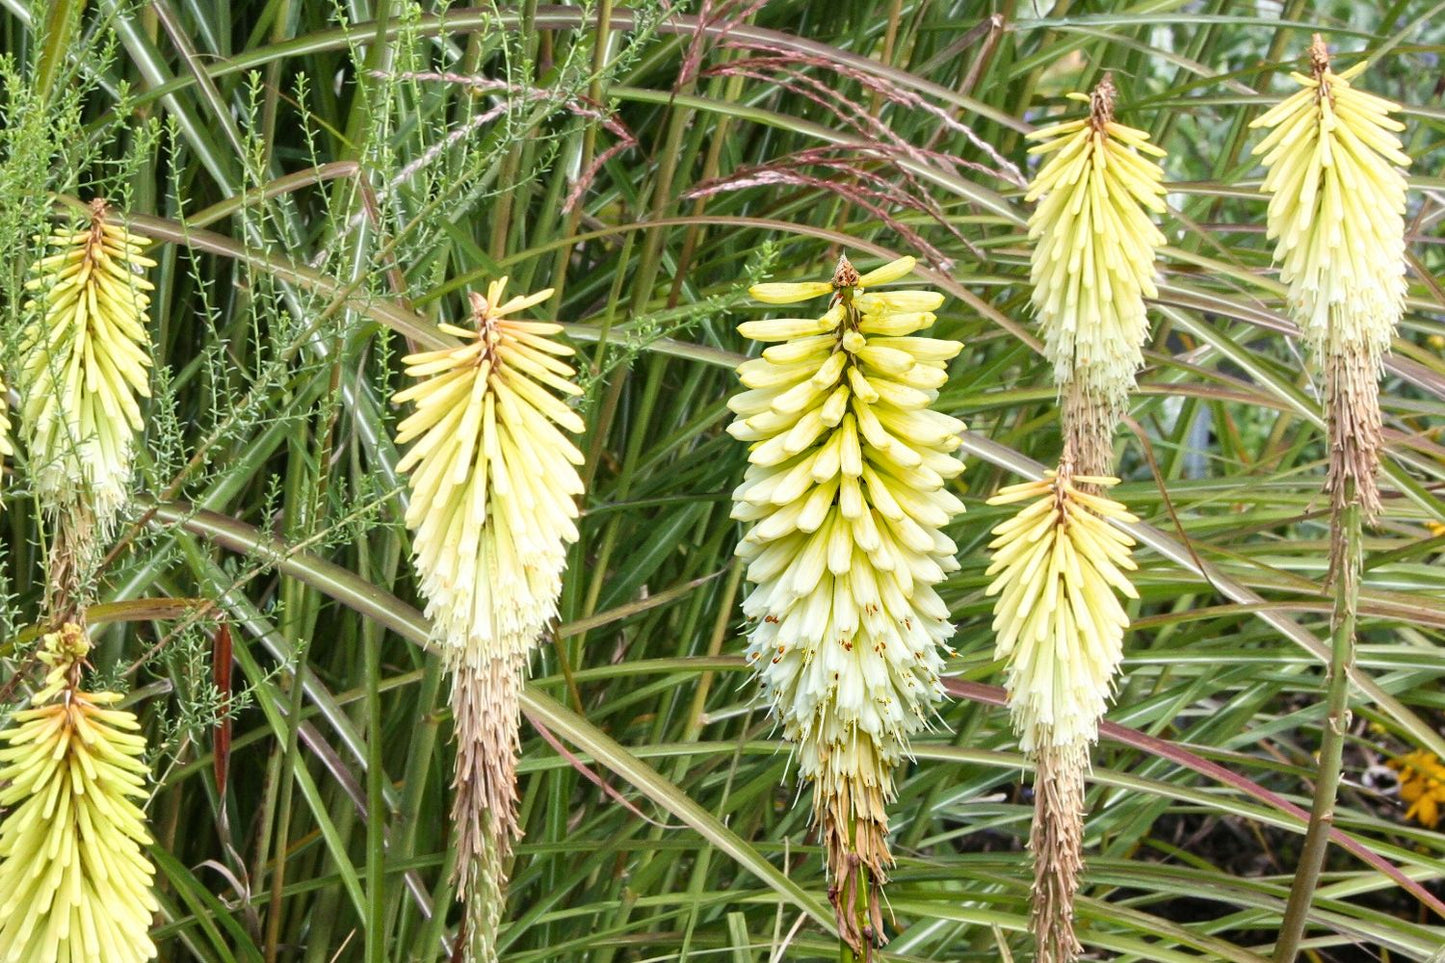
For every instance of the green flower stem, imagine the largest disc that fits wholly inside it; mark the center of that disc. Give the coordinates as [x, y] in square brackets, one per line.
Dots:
[1332, 739]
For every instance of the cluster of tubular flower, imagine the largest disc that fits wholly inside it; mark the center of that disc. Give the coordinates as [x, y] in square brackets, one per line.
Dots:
[1093, 252]
[74, 882]
[493, 480]
[1058, 570]
[1337, 206]
[1058, 566]
[846, 497]
[1336, 214]
[84, 361]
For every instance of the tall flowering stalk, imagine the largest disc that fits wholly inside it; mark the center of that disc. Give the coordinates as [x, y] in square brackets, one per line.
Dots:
[1092, 267]
[74, 882]
[1336, 214]
[84, 363]
[846, 497]
[1058, 572]
[1060, 567]
[493, 483]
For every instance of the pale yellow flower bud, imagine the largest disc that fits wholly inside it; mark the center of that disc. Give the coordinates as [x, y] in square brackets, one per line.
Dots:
[1337, 215]
[74, 881]
[1058, 570]
[1336, 211]
[1094, 249]
[847, 493]
[493, 478]
[85, 363]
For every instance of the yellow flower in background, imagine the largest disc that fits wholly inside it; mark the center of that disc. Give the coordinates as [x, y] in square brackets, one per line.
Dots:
[1058, 570]
[84, 362]
[493, 477]
[1094, 247]
[846, 497]
[1337, 206]
[74, 881]
[1422, 785]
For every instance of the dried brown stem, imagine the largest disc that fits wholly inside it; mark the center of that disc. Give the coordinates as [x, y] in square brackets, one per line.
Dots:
[484, 794]
[71, 564]
[1353, 426]
[1101, 101]
[1057, 841]
[1319, 56]
[1088, 426]
[854, 823]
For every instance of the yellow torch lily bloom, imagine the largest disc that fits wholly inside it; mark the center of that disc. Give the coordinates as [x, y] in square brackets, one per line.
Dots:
[74, 881]
[493, 478]
[1337, 207]
[1058, 570]
[1094, 249]
[846, 497]
[85, 362]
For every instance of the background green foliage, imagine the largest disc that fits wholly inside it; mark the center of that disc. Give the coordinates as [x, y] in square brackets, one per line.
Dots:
[327, 178]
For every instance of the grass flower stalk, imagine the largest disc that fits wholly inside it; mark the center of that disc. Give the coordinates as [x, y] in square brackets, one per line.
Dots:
[74, 881]
[493, 480]
[846, 497]
[1092, 266]
[1336, 214]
